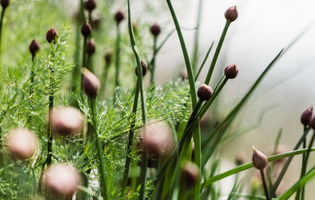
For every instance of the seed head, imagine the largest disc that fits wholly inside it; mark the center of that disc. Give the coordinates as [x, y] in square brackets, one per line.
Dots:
[190, 174]
[21, 143]
[5, 3]
[52, 35]
[155, 29]
[90, 47]
[90, 5]
[231, 14]
[204, 92]
[307, 116]
[144, 69]
[108, 57]
[61, 180]
[90, 84]
[231, 71]
[119, 16]
[259, 159]
[86, 29]
[34, 47]
[65, 121]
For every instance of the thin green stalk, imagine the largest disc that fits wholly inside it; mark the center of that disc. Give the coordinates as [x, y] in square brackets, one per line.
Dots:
[144, 162]
[191, 76]
[298, 192]
[117, 56]
[217, 52]
[83, 59]
[153, 61]
[264, 184]
[1, 22]
[197, 157]
[204, 61]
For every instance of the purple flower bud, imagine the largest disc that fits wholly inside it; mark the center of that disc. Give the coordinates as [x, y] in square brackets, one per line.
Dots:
[5, 3]
[90, 84]
[90, 47]
[108, 57]
[190, 174]
[90, 5]
[231, 71]
[34, 47]
[86, 29]
[259, 159]
[52, 35]
[231, 14]
[144, 69]
[307, 116]
[155, 29]
[204, 92]
[119, 16]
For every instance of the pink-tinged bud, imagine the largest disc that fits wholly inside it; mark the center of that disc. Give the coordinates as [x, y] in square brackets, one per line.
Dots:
[86, 29]
[90, 84]
[108, 57]
[34, 47]
[61, 180]
[231, 14]
[231, 71]
[90, 5]
[307, 116]
[90, 47]
[259, 159]
[4, 3]
[21, 143]
[119, 16]
[155, 29]
[144, 69]
[204, 92]
[65, 121]
[312, 122]
[52, 35]
[190, 174]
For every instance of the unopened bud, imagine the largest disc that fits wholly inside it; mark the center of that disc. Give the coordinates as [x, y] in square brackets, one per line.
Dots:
[231, 71]
[65, 121]
[312, 123]
[86, 29]
[62, 180]
[144, 69]
[307, 116]
[190, 174]
[21, 143]
[155, 29]
[204, 92]
[119, 16]
[5, 3]
[90, 5]
[108, 57]
[52, 35]
[34, 47]
[259, 159]
[90, 84]
[90, 47]
[231, 14]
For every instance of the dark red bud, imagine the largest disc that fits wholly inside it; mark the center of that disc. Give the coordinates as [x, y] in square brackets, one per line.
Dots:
[119, 16]
[204, 92]
[231, 14]
[155, 29]
[144, 69]
[190, 174]
[34, 47]
[108, 57]
[86, 29]
[90, 47]
[307, 116]
[90, 5]
[5, 3]
[259, 159]
[231, 71]
[90, 84]
[312, 123]
[52, 35]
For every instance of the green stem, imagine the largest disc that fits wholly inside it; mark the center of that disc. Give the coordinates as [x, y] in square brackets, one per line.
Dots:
[83, 59]
[104, 78]
[153, 61]
[197, 157]
[217, 52]
[117, 57]
[51, 105]
[204, 61]
[1, 22]
[264, 184]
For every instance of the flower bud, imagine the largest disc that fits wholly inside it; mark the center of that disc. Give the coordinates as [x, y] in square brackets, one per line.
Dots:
[190, 174]
[5, 3]
[155, 29]
[108, 57]
[90, 47]
[307, 116]
[259, 159]
[21, 143]
[231, 71]
[312, 123]
[86, 29]
[204, 92]
[52, 35]
[119, 16]
[231, 14]
[34, 47]
[61, 180]
[90, 84]
[90, 5]
[144, 69]
[65, 121]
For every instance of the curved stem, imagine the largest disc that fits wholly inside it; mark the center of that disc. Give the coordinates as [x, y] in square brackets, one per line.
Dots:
[1, 22]
[153, 61]
[264, 184]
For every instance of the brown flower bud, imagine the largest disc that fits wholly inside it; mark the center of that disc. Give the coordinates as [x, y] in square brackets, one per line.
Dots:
[155, 29]
[5, 3]
[144, 69]
[34, 47]
[307, 116]
[119, 16]
[90, 5]
[21, 143]
[108, 57]
[231, 14]
[190, 174]
[312, 122]
[259, 159]
[61, 180]
[65, 120]
[52, 35]
[90, 84]
[231, 71]
[90, 47]
[204, 92]
[86, 29]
